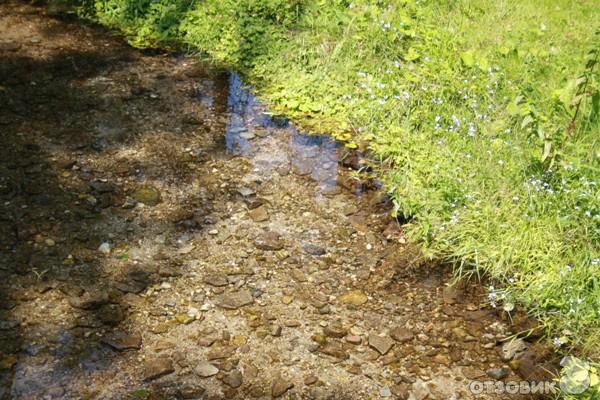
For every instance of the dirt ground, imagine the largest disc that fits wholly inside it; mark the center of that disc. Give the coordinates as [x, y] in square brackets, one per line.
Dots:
[162, 236]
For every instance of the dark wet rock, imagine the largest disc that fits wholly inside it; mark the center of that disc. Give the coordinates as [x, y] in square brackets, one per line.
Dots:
[270, 241]
[216, 279]
[111, 314]
[280, 385]
[204, 369]
[7, 325]
[234, 379]
[497, 373]
[102, 187]
[313, 249]
[131, 287]
[401, 334]
[148, 195]
[513, 348]
[155, 368]
[89, 300]
[121, 341]
[382, 344]
[235, 299]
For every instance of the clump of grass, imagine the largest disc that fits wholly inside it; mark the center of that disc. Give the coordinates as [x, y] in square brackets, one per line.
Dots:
[484, 113]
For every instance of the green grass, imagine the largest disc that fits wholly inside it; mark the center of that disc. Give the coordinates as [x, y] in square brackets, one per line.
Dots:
[468, 105]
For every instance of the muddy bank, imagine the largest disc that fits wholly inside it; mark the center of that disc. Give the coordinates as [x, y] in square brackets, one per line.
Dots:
[163, 236]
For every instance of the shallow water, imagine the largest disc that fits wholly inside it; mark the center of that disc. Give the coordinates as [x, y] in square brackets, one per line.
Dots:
[156, 217]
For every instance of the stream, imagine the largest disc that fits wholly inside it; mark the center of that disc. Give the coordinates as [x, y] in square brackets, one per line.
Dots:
[162, 236]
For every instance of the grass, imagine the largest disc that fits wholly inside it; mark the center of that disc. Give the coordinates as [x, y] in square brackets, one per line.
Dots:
[486, 133]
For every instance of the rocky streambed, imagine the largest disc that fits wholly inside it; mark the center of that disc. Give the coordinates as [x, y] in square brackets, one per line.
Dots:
[163, 236]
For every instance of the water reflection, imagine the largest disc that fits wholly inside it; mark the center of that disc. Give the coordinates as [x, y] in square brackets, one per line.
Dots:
[274, 144]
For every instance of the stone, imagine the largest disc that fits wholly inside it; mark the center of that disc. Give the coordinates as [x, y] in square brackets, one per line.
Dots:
[121, 341]
[104, 248]
[234, 379]
[385, 392]
[148, 195]
[89, 300]
[235, 300]
[205, 369]
[335, 331]
[353, 339]
[497, 373]
[334, 349]
[420, 390]
[313, 249]
[513, 348]
[354, 297]
[111, 314]
[310, 380]
[298, 275]
[269, 241]
[401, 334]
[259, 214]
[155, 368]
[280, 385]
[382, 344]
[472, 373]
[275, 331]
[216, 279]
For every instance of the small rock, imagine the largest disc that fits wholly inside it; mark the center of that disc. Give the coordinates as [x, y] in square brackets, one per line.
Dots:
[234, 379]
[216, 279]
[280, 386]
[497, 373]
[401, 334]
[512, 349]
[259, 214]
[385, 391]
[104, 248]
[310, 380]
[334, 349]
[313, 249]
[270, 241]
[235, 300]
[155, 368]
[89, 301]
[354, 339]
[148, 195]
[205, 369]
[382, 344]
[121, 341]
[335, 331]
[354, 297]
[420, 390]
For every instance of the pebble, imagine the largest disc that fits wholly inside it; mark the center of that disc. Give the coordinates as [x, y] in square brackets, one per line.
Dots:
[354, 297]
[497, 373]
[104, 248]
[385, 392]
[234, 379]
[513, 348]
[155, 368]
[235, 300]
[401, 334]
[280, 385]
[205, 369]
[382, 344]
